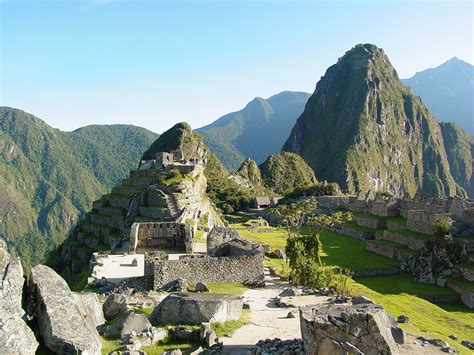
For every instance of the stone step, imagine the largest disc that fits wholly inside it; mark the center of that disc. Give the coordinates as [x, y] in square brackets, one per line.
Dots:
[113, 221]
[464, 288]
[111, 210]
[120, 201]
[140, 181]
[154, 212]
[467, 270]
[353, 230]
[412, 240]
[147, 173]
[126, 190]
[384, 247]
[369, 221]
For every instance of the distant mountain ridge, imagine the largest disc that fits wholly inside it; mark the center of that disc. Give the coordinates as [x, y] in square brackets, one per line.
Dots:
[48, 178]
[448, 92]
[256, 131]
[365, 130]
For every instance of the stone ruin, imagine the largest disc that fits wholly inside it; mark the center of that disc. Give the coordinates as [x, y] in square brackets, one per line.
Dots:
[161, 234]
[232, 261]
[421, 211]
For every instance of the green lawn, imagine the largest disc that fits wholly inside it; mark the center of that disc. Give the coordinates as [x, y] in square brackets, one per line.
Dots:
[227, 289]
[229, 327]
[426, 318]
[275, 239]
[351, 253]
[398, 284]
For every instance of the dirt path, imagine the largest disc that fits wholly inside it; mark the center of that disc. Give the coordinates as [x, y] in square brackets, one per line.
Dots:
[267, 321]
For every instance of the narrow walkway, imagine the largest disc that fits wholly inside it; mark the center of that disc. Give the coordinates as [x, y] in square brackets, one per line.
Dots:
[267, 321]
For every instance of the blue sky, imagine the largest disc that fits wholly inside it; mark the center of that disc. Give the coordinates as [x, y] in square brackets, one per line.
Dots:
[155, 63]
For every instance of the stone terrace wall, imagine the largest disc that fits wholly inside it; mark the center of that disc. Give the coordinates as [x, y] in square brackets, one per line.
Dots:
[246, 269]
[422, 221]
[161, 234]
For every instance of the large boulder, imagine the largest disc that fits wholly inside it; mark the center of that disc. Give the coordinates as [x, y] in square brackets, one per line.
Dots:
[342, 329]
[195, 308]
[15, 335]
[92, 306]
[63, 321]
[115, 305]
[135, 322]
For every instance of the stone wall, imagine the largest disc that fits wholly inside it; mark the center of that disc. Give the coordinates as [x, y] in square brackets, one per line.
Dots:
[333, 202]
[389, 251]
[422, 221]
[467, 296]
[218, 236]
[351, 232]
[161, 234]
[410, 242]
[246, 269]
[369, 222]
[466, 273]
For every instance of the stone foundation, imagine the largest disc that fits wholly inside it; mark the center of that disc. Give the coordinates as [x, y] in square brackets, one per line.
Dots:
[246, 269]
[467, 296]
[369, 222]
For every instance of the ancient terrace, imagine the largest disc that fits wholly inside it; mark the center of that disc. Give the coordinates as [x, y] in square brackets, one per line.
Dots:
[402, 229]
[152, 230]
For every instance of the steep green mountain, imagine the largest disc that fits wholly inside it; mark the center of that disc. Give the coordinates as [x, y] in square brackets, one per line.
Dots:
[48, 178]
[256, 131]
[448, 92]
[284, 172]
[460, 149]
[250, 171]
[365, 130]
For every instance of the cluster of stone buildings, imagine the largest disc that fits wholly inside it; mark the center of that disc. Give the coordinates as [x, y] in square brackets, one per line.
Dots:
[161, 252]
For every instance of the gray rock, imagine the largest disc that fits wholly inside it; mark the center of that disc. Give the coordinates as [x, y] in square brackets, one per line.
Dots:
[202, 287]
[195, 308]
[468, 344]
[289, 292]
[15, 335]
[63, 321]
[172, 352]
[135, 322]
[158, 335]
[205, 328]
[340, 329]
[211, 338]
[453, 337]
[362, 300]
[198, 351]
[115, 305]
[402, 319]
[291, 314]
[439, 343]
[398, 335]
[92, 306]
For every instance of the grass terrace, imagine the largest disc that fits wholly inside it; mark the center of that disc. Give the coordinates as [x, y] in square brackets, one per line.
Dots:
[426, 318]
[462, 283]
[411, 234]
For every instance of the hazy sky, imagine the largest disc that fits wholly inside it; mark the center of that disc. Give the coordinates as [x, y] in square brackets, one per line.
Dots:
[154, 63]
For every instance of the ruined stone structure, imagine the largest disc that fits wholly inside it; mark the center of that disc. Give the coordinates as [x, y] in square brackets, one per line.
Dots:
[161, 235]
[246, 269]
[218, 236]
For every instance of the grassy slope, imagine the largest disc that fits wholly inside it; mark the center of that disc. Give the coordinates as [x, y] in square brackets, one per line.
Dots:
[399, 294]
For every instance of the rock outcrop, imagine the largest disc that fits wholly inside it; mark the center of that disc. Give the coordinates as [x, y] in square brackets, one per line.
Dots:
[355, 329]
[365, 130]
[15, 335]
[92, 306]
[196, 308]
[63, 321]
